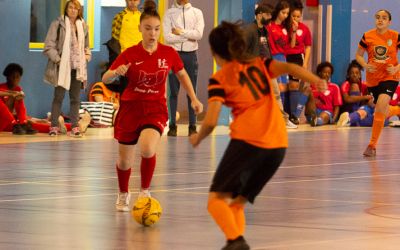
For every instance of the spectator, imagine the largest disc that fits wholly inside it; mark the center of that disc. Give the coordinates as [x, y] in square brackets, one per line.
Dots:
[278, 31]
[12, 108]
[102, 106]
[101, 93]
[67, 47]
[354, 90]
[325, 104]
[183, 28]
[298, 52]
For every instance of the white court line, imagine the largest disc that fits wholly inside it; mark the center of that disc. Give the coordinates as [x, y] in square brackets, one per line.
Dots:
[51, 182]
[199, 172]
[181, 190]
[90, 178]
[300, 199]
[338, 163]
[93, 195]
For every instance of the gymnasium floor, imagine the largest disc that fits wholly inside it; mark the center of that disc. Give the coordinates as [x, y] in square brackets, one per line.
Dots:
[59, 193]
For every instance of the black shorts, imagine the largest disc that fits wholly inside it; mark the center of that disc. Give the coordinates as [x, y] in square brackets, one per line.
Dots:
[245, 169]
[296, 59]
[386, 87]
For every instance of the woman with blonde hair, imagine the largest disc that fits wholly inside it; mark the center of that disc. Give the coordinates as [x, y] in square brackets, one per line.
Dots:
[67, 48]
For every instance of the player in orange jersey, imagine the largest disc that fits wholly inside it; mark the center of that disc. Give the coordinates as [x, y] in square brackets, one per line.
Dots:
[258, 133]
[381, 45]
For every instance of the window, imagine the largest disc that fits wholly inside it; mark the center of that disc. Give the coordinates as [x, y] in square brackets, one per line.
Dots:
[43, 12]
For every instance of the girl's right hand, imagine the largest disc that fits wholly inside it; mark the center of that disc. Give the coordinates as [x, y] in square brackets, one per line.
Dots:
[370, 68]
[321, 85]
[122, 69]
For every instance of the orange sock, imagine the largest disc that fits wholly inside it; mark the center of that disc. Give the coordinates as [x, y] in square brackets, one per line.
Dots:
[377, 126]
[238, 213]
[223, 216]
[394, 110]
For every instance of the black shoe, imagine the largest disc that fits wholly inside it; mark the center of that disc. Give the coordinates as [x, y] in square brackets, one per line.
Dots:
[314, 120]
[18, 129]
[192, 130]
[173, 129]
[28, 128]
[237, 244]
[294, 119]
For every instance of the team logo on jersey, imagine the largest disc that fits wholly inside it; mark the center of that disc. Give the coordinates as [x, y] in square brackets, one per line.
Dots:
[327, 92]
[162, 64]
[389, 42]
[151, 79]
[380, 53]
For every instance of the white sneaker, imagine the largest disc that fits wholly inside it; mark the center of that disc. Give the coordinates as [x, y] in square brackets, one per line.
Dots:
[122, 203]
[344, 120]
[290, 124]
[144, 193]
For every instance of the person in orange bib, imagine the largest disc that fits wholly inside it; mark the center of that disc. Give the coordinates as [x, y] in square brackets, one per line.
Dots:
[382, 70]
[258, 131]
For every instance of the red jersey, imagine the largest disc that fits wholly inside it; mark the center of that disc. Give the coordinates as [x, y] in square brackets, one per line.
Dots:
[246, 88]
[396, 97]
[303, 40]
[345, 88]
[278, 38]
[4, 87]
[148, 71]
[382, 51]
[328, 99]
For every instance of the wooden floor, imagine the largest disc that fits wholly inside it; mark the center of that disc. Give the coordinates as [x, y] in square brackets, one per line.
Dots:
[59, 193]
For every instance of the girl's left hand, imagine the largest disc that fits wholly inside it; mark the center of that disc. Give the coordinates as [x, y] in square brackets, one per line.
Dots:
[392, 69]
[197, 106]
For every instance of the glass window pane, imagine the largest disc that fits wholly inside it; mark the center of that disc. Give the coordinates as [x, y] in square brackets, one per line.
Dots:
[43, 12]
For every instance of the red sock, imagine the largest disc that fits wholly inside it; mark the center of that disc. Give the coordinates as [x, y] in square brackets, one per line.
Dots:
[146, 170]
[123, 179]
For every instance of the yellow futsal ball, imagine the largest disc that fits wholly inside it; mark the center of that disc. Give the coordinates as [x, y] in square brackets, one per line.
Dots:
[146, 211]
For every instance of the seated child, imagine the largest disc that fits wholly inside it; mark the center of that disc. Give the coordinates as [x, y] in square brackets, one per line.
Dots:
[12, 107]
[324, 105]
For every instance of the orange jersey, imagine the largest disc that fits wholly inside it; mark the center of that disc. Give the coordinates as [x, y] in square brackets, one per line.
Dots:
[382, 52]
[246, 88]
[99, 89]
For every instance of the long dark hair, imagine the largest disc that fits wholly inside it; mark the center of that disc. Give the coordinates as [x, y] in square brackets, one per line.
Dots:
[295, 5]
[280, 6]
[353, 64]
[227, 41]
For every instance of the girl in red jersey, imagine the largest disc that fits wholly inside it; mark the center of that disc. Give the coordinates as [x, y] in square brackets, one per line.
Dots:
[143, 114]
[258, 134]
[381, 45]
[12, 107]
[278, 40]
[298, 52]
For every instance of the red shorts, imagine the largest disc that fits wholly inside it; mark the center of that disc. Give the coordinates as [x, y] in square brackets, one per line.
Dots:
[134, 116]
